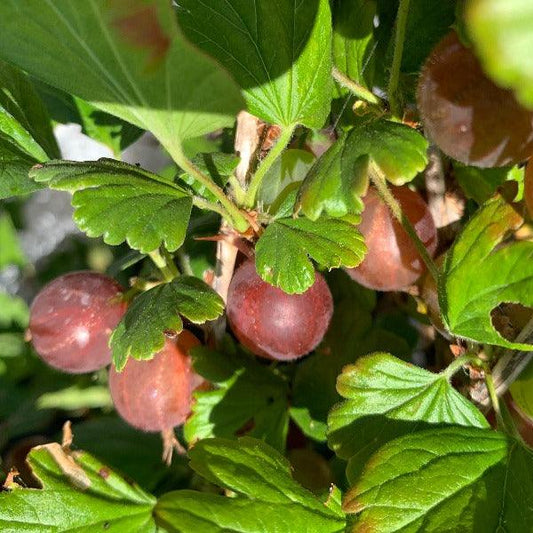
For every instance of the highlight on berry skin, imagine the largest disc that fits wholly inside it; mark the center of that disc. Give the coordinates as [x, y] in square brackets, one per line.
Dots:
[72, 318]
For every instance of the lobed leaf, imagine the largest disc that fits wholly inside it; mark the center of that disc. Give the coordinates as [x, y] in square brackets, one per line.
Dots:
[278, 51]
[79, 494]
[385, 398]
[121, 202]
[482, 271]
[339, 178]
[141, 332]
[245, 396]
[465, 479]
[268, 499]
[284, 250]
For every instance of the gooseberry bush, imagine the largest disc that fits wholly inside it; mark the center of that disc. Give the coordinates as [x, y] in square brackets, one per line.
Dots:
[317, 317]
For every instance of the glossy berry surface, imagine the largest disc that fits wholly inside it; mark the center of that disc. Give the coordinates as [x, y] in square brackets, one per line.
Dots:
[393, 262]
[72, 318]
[467, 116]
[273, 324]
[156, 395]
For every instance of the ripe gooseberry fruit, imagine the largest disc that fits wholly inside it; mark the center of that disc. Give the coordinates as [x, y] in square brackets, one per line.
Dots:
[393, 262]
[156, 395]
[72, 318]
[272, 323]
[468, 117]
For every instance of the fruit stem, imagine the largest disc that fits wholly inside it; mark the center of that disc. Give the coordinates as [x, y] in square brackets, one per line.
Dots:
[228, 210]
[358, 90]
[266, 164]
[165, 264]
[378, 178]
[457, 364]
[399, 40]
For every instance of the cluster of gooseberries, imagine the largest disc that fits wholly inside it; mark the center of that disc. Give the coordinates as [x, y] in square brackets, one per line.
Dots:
[71, 321]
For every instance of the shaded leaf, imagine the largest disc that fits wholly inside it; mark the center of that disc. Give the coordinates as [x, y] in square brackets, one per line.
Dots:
[10, 251]
[141, 332]
[245, 397]
[126, 57]
[79, 494]
[385, 398]
[464, 479]
[121, 202]
[284, 250]
[279, 52]
[268, 499]
[482, 271]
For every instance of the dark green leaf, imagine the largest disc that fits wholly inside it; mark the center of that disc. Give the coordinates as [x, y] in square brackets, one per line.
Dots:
[128, 58]
[447, 479]
[386, 398]
[353, 39]
[340, 176]
[482, 271]
[268, 498]
[23, 117]
[79, 494]
[141, 332]
[501, 33]
[279, 52]
[14, 167]
[284, 250]
[245, 396]
[121, 202]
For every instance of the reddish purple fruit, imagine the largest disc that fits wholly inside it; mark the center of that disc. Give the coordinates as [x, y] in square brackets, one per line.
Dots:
[72, 318]
[156, 395]
[274, 324]
[393, 262]
[469, 117]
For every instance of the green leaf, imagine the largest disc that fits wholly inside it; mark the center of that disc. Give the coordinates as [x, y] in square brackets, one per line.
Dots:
[386, 398]
[244, 394]
[13, 311]
[522, 390]
[482, 271]
[111, 131]
[340, 177]
[284, 250]
[503, 41]
[10, 251]
[279, 52]
[288, 169]
[353, 39]
[141, 332]
[23, 117]
[427, 22]
[460, 479]
[121, 202]
[74, 398]
[14, 167]
[480, 184]
[79, 494]
[219, 166]
[127, 58]
[268, 499]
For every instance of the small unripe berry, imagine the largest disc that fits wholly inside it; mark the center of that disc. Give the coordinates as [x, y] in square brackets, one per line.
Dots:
[156, 395]
[72, 318]
[393, 262]
[273, 324]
